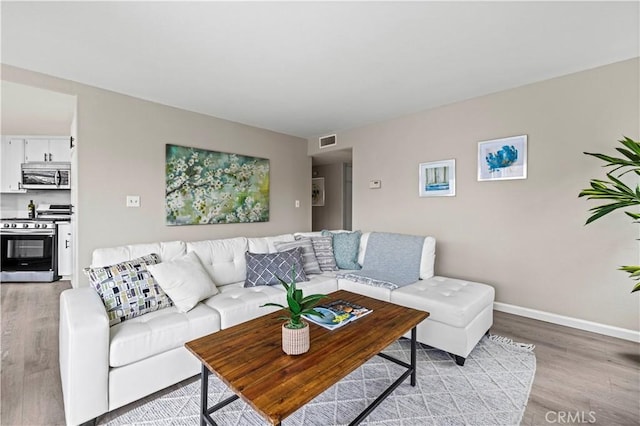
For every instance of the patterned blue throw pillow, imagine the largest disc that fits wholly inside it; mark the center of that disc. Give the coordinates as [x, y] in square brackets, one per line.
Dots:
[346, 246]
[265, 268]
[128, 289]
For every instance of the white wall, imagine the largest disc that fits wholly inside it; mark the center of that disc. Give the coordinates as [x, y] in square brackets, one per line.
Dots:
[525, 237]
[121, 151]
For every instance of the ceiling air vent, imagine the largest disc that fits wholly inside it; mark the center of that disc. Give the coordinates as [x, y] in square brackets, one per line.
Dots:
[326, 141]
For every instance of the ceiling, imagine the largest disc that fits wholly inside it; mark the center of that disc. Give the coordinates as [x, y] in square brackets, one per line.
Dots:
[313, 68]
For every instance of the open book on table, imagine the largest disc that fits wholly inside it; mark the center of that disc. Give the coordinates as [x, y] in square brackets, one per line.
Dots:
[337, 313]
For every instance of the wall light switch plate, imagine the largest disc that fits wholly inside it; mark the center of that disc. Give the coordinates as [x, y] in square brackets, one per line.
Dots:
[133, 201]
[375, 184]
[297, 204]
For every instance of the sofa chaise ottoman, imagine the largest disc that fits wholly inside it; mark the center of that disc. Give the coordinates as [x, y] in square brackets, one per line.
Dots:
[105, 367]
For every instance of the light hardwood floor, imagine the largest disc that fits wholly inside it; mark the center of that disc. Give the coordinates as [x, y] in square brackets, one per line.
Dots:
[581, 376]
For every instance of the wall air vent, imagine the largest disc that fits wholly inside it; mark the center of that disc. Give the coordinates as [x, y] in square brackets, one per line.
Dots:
[326, 141]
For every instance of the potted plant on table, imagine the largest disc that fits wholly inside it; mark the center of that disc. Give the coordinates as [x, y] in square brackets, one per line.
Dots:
[295, 332]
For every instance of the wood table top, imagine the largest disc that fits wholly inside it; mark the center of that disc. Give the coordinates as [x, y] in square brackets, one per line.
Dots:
[248, 357]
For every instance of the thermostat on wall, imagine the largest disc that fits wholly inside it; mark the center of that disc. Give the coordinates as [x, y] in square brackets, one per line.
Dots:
[375, 184]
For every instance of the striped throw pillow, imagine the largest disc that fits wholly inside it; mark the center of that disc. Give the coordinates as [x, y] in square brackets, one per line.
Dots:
[309, 260]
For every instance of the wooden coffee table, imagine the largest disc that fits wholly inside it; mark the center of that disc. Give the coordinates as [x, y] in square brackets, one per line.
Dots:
[249, 359]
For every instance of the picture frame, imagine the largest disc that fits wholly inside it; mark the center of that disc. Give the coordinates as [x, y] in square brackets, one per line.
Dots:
[317, 192]
[211, 187]
[502, 159]
[437, 179]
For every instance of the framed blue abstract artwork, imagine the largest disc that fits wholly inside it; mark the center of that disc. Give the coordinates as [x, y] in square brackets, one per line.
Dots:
[438, 179]
[503, 159]
[207, 187]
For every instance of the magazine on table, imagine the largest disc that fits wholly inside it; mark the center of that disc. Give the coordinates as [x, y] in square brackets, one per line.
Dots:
[337, 313]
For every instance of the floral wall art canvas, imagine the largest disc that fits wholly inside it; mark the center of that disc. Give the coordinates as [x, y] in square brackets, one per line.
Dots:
[502, 159]
[206, 187]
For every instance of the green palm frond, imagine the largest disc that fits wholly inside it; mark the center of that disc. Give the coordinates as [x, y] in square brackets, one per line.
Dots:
[297, 304]
[613, 189]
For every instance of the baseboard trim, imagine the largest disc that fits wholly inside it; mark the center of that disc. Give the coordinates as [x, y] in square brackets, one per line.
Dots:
[607, 330]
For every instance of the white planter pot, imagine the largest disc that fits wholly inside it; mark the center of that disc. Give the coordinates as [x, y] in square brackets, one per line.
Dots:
[295, 341]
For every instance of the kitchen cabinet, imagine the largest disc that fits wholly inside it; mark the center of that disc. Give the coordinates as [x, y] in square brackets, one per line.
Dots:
[47, 149]
[11, 159]
[65, 249]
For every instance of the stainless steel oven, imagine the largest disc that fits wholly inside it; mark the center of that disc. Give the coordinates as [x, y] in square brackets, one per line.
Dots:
[28, 251]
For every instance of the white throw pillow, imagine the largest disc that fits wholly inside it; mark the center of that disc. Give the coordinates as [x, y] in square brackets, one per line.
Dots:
[184, 280]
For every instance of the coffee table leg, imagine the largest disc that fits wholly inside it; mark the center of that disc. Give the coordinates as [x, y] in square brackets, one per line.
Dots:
[413, 356]
[204, 382]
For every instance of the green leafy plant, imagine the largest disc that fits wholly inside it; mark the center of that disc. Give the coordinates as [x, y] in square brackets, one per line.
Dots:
[613, 189]
[297, 305]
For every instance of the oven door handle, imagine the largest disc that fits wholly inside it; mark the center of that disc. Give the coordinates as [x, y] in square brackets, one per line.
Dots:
[50, 232]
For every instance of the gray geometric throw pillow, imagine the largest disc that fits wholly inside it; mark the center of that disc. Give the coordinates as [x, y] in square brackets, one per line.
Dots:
[265, 268]
[128, 289]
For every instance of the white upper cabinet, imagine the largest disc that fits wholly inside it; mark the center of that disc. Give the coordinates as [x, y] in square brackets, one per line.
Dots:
[36, 150]
[47, 149]
[60, 150]
[11, 158]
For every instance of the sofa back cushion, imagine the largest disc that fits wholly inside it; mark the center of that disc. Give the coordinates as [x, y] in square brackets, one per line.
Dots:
[223, 259]
[267, 244]
[110, 256]
[427, 260]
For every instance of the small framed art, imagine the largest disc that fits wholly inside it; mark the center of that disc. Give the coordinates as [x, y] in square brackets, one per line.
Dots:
[317, 192]
[438, 179]
[503, 159]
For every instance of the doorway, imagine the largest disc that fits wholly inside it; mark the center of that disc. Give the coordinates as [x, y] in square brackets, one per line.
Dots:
[332, 174]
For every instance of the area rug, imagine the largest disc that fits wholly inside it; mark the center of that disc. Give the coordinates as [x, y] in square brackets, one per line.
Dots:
[491, 389]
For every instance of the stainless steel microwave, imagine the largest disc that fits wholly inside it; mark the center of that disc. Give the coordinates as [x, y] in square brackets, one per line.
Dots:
[46, 175]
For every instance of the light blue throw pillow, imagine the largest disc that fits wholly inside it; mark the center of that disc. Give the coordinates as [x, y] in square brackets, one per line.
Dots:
[345, 248]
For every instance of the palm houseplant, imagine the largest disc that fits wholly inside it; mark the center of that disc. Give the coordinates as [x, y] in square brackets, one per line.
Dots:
[615, 190]
[295, 331]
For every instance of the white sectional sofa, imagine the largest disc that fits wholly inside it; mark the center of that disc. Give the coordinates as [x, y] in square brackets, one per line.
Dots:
[103, 368]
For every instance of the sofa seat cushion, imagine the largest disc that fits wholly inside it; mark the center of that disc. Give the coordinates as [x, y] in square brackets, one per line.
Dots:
[157, 332]
[237, 303]
[450, 301]
[380, 293]
[316, 284]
